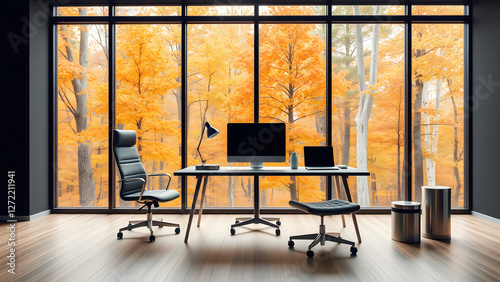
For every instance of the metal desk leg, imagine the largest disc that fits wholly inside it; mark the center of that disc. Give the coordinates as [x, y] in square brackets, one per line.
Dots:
[337, 188]
[348, 195]
[202, 200]
[256, 219]
[193, 206]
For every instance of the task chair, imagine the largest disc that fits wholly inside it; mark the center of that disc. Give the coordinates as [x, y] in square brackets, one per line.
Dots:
[331, 207]
[133, 180]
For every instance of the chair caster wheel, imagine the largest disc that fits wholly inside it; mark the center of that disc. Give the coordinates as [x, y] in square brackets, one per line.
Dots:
[278, 232]
[237, 221]
[278, 223]
[119, 235]
[354, 250]
[291, 244]
[130, 224]
[310, 254]
[152, 238]
[177, 230]
[233, 231]
[161, 226]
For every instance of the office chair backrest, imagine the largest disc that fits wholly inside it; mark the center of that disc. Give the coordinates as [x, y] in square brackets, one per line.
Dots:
[128, 161]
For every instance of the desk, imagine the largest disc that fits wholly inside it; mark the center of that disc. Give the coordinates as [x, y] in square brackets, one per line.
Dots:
[202, 176]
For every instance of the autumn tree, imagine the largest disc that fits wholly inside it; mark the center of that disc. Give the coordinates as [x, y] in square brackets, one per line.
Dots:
[292, 81]
[145, 74]
[443, 45]
[75, 71]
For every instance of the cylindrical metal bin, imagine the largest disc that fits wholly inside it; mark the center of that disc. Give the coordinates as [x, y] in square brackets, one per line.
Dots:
[405, 221]
[436, 212]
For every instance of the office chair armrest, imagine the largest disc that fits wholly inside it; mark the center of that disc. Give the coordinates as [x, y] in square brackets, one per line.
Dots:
[163, 174]
[134, 179]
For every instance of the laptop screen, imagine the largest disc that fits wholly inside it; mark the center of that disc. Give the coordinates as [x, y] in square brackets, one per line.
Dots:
[318, 156]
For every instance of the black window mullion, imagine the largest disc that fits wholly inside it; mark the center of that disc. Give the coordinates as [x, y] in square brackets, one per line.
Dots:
[53, 56]
[184, 112]
[111, 106]
[256, 66]
[328, 113]
[407, 160]
[467, 119]
[256, 109]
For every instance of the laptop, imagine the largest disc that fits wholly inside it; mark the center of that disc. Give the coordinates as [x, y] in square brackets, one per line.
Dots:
[319, 157]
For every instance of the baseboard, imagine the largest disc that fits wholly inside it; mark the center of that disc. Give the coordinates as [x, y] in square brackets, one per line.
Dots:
[25, 217]
[487, 217]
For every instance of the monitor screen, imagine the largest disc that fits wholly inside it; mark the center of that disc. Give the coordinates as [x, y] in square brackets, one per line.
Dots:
[256, 143]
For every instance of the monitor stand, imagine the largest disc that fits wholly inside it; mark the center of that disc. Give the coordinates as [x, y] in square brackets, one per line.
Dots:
[256, 164]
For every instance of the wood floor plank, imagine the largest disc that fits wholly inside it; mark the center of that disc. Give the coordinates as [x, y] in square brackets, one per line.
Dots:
[83, 247]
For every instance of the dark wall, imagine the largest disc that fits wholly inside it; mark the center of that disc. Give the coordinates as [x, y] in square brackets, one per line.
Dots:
[485, 107]
[24, 110]
[14, 81]
[39, 107]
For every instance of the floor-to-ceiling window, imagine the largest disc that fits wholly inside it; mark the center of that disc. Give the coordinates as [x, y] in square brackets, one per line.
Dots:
[384, 85]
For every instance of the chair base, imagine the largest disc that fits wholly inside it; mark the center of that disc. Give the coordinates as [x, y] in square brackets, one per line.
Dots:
[257, 220]
[149, 223]
[321, 238]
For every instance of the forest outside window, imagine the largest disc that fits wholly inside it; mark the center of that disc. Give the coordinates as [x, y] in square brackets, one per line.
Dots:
[366, 102]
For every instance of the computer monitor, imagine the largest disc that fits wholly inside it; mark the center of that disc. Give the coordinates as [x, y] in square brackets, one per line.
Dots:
[256, 143]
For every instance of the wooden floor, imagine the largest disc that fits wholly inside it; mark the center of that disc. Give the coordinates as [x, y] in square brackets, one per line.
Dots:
[85, 248]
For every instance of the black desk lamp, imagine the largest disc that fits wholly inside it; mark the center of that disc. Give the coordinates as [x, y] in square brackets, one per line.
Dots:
[211, 132]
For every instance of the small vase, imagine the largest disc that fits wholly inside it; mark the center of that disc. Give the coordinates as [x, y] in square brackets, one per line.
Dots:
[294, 161]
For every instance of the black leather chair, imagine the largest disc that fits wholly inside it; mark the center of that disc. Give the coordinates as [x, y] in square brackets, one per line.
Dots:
[331, 207]
[133, 182]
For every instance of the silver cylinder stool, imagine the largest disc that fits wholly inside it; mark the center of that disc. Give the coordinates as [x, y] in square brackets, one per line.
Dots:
[436, 212]
[405, 217]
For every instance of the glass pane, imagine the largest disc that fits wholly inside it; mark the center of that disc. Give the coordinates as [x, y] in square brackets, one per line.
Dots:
[292, 10]
[437, 10]
[148, 97]
[368, 108]
[438, 106]
[220, 91]
[292, 91]
[368, 10]
[148, 11]
[82, 118]
[82, 11]
[220, 10]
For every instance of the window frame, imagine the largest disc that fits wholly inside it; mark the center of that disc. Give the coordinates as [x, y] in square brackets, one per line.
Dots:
[184, 19]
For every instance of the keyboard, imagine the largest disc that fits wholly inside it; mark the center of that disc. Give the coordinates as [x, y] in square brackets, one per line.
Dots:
[322, 167]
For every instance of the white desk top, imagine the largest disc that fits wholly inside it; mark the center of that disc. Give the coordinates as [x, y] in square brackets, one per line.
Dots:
[271, 171]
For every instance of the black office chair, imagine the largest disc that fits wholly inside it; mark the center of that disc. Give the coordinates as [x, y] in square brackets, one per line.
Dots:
[331, 207]
[133, 182]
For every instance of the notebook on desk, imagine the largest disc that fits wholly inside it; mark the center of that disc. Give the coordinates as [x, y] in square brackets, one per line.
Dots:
[319, 157]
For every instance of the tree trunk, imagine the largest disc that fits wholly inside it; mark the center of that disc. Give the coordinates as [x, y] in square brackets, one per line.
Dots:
[400, 195]
[293, 185]
[263, 198]
[365, 105]
[85, 175]
[347, 134]
[456, 157]
[321, 128]
[429, 162]
[431, 137]
[417, 141]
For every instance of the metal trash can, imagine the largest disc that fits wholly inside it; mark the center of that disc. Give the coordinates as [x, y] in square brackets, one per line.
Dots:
[405, 221]
[436, 212]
